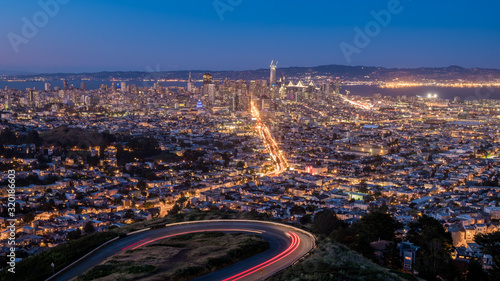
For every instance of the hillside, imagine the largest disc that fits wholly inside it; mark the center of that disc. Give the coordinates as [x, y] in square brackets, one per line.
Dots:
[70, 137]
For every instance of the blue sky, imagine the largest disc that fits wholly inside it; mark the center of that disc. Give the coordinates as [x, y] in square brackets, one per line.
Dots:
[95, 35]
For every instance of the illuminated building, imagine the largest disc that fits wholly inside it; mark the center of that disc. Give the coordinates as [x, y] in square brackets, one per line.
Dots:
[190, 83]
[47, 86]
[211, 93]
[272, 78]
[199, 104]
[235, 101]
[207, 78]
[83, 86]
[65, 83]
[123, 86]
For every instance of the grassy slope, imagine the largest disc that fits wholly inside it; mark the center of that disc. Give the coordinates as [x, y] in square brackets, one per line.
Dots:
[334, 261]
[180, 258]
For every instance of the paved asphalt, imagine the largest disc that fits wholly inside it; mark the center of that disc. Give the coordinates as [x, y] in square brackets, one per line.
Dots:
[286, 246]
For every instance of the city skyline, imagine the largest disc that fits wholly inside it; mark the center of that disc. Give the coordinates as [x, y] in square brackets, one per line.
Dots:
[249, 140]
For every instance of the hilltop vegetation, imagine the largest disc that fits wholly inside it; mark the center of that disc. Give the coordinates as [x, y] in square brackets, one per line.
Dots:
[334, 261]
[179, 258]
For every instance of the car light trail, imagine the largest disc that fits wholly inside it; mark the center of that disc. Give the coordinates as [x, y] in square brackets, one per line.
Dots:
[188, 232]
[358, 104]
[134, 244]
[293, 246]
[278, 158]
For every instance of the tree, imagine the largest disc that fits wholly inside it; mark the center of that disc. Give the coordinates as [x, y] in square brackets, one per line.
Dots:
[28, 217]
[378, 225]
[491, 246]
[175, 210]
[392, 257]
[75, 234]
[325, 222]
[89, 228]
[475, 271]
[181, 202]
[129, 214]
[433, 260]
[305, 219]
[142, 185]
[297, 210]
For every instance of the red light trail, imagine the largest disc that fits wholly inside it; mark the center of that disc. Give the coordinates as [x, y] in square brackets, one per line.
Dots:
[295, 242]
[293, 246]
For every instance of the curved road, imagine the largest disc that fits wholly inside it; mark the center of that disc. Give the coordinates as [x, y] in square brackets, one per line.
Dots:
[287, 245]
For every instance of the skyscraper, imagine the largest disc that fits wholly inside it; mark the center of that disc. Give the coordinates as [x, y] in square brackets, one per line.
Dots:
[65, 83]
[211, 93]
[190, 83]
[83, 86]
[272, 77]
[123, 86]
[47, 86]
[207, 78]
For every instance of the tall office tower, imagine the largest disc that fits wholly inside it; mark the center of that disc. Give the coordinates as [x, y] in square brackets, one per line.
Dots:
[65, 83]
[283, 91]
[7, 102]
[123, 86]
[207, 78]
[190, 84]
[327, 86]
[83, 86]
[133, 89]
[211, 93]
[272, 76]
[47, 86]
[337, 86]
[67, 98]
[32, 96]
[252, 88]
[113, 86]
[235, 101]
[265, 103]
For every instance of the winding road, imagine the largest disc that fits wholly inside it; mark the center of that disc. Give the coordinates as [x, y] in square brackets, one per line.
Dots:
[287, 245]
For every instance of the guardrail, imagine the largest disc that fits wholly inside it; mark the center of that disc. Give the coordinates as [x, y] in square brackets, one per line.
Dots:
[82, 258]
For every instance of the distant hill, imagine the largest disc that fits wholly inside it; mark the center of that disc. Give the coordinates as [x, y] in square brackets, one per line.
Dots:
[343, 71]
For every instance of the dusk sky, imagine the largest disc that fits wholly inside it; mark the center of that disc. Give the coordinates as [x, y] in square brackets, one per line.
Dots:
[96, 35]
